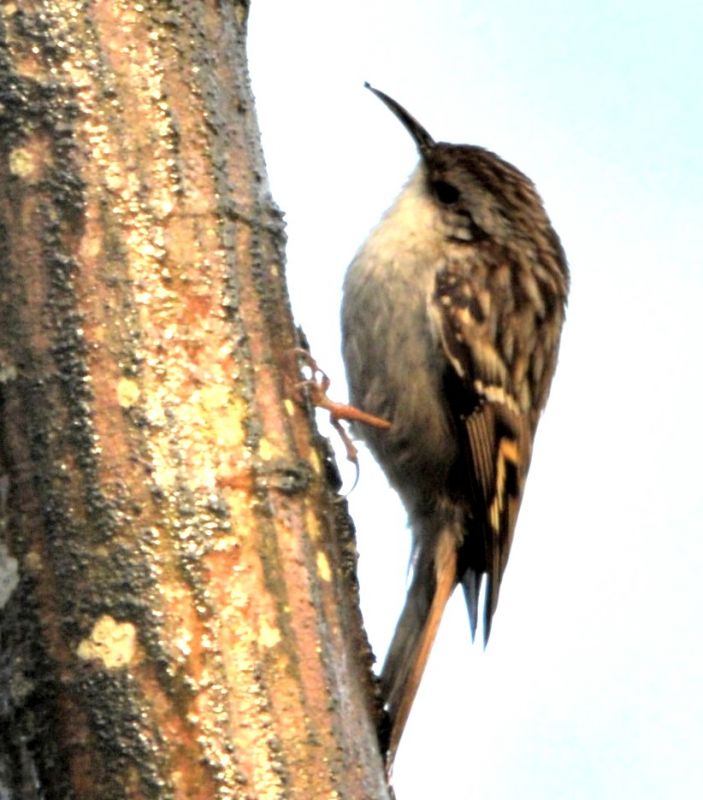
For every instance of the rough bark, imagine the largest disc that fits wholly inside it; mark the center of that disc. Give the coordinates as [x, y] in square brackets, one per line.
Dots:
[178, 609]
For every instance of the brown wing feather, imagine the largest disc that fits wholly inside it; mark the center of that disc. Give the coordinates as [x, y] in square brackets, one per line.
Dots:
[499, 448]
[491, 338]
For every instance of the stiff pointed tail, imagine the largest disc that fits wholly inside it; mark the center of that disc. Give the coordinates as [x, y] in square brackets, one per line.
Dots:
[433, 582]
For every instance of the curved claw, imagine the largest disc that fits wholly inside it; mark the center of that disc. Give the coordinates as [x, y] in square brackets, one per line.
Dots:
[317, 386]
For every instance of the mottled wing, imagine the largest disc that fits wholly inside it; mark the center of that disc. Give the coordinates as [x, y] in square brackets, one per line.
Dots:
[490, 317]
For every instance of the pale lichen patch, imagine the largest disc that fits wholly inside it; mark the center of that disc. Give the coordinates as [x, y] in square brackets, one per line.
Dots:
[127, 392]
[266, 449]
[323, 567]
[269, 636]
[110, 642]
[8, 372]
[9, 574]
[312, 523]
[25, 163]
[315, 462]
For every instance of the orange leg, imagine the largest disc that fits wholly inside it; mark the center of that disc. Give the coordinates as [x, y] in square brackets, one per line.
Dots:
[318, 385]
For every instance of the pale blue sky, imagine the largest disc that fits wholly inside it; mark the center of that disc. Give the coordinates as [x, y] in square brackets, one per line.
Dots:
[591, 686]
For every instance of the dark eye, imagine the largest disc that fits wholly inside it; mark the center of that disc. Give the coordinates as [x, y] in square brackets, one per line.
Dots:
[445, 192]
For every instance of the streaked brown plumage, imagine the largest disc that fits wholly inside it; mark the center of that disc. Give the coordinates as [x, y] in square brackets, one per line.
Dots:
[452, 315]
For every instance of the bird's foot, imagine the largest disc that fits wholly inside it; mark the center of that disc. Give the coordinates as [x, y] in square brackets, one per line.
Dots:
[317, 385]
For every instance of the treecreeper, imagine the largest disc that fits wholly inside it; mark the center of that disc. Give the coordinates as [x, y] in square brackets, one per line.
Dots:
[451, 320]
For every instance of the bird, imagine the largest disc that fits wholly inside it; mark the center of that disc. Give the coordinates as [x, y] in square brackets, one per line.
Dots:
[452, 314]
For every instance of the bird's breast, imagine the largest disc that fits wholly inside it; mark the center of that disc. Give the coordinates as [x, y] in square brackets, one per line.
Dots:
[393, 357]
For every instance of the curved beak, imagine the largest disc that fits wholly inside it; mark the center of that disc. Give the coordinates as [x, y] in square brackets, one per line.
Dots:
[423, 140]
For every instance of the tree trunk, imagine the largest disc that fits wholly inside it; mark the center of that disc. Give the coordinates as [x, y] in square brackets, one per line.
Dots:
[178, 606]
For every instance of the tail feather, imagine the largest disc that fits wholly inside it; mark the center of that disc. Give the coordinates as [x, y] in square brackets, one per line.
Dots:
[471, 584]
[433, 582]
